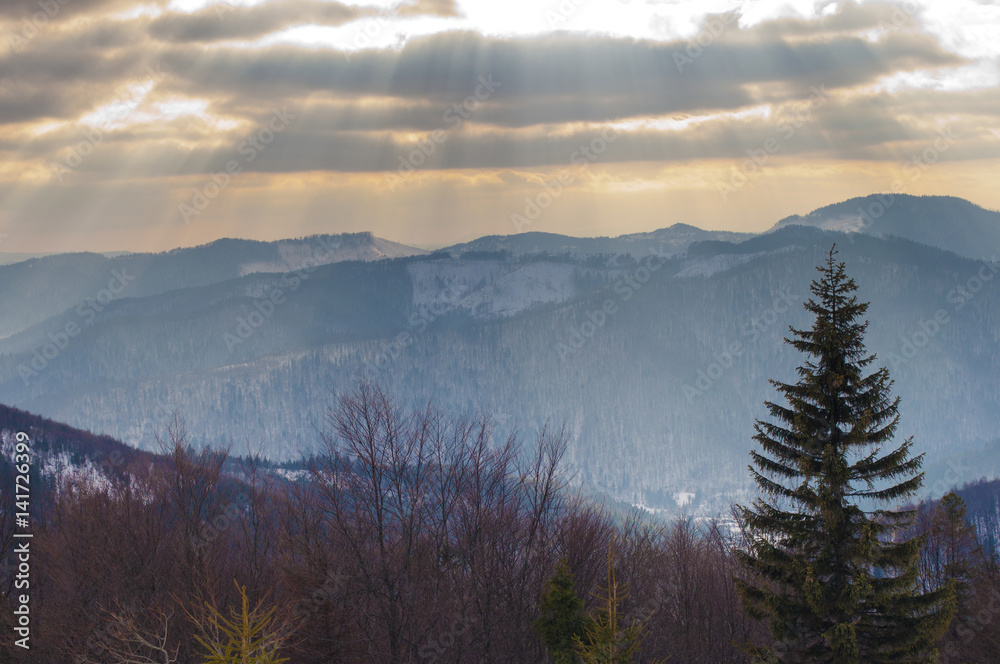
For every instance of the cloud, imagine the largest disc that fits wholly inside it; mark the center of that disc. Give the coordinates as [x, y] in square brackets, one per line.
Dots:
[225, 22]
[429, 8]
[543, 80]
[362, 114]
[850, 128]
[56, 10]
[556, 78]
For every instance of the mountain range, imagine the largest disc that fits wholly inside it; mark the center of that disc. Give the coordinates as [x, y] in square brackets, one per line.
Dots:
[654, 350]
[34, 290]
[945, 222]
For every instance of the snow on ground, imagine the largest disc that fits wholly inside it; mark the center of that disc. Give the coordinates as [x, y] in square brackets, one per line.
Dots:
[291, 475]
[488, 289]
[852, 223]
[683, 498]
[59, 466]
[302, 254]
[648, 509]
[706, 267]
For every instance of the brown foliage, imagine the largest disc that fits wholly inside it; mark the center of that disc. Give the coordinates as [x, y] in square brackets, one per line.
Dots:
[412, 538]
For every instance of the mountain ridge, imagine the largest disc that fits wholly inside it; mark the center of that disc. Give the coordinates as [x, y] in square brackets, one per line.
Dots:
[918, 218]
[622, 347]
[33, 290]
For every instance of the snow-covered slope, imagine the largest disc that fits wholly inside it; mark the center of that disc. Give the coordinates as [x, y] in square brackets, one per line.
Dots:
[300, 254]
[492, 288]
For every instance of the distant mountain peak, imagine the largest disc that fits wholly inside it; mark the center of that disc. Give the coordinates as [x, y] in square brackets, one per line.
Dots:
[674, 239]
[945, 222]
[32, 291]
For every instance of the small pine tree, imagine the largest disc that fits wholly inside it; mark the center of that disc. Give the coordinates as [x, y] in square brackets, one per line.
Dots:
[606, 640]
[247, 636]
[832, 581]
[562, 619]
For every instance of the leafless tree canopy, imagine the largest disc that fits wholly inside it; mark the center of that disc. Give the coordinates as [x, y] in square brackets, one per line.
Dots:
[411, 538]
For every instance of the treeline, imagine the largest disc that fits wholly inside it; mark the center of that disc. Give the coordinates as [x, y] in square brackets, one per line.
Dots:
[982, 499]
[963, 557]
[412, 538]
[53, 437]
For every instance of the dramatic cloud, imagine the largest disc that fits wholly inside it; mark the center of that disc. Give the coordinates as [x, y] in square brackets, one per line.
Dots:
[223, 22]
[438, 112]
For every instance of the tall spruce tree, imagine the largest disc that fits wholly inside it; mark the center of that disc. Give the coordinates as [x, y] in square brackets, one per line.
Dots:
[830, 571]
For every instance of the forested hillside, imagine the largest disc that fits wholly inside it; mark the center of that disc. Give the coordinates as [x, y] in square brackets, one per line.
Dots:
[409, 536]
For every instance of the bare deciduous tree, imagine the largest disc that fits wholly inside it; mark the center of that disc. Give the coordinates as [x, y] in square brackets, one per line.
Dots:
[127, 639]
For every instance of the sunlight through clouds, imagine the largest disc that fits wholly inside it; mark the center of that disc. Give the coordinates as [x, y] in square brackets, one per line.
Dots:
[118, 113]
[381, 89]
[383, 30]
[681, 123]
[196, 5]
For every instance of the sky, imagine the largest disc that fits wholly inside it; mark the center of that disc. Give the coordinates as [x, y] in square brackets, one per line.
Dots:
[147, 125]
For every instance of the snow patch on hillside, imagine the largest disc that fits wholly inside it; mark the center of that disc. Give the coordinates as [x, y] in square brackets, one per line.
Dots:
[59, 466]
[488, 289]
[295, 255]
[706, 267]
[684, 498]
[647, 509]
[852, 223]
[291, 475]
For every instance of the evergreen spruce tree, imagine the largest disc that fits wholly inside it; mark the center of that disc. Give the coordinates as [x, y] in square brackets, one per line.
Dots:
[829, 569]
[250, 635]
[562, 618]
[608, 639]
